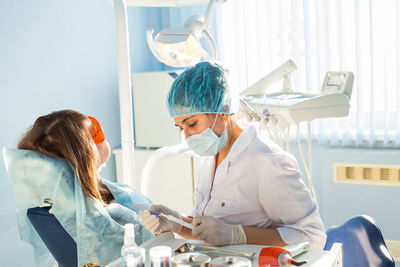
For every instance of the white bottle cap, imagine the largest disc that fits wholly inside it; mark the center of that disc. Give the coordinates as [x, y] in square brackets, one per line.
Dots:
[160, 251]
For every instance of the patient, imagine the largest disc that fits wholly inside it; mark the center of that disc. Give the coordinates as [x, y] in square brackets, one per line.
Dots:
[72, 146]
[80, 140]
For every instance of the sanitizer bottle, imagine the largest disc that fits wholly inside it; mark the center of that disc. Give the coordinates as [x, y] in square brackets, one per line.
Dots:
[131, 254]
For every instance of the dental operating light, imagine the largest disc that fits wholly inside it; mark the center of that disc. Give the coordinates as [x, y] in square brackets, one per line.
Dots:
[181, 47]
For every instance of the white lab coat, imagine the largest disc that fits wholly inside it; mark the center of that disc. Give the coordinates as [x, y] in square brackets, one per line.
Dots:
[259, 185]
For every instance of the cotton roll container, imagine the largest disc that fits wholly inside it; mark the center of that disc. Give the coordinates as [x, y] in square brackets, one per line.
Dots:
[191, 260]
[231, 261]
[160, 256]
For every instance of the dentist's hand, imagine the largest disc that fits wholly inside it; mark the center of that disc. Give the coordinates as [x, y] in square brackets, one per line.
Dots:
[159, 224]
[216, 232]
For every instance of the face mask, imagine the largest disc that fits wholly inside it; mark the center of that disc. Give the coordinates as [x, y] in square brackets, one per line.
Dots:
[207, 143]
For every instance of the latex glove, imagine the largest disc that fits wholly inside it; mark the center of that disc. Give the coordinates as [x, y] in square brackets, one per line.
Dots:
[216, 232]
[159, 224]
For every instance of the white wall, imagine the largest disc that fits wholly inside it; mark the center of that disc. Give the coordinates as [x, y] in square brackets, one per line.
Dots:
[57, 54]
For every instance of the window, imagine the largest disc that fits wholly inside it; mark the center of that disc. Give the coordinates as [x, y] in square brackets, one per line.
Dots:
[256, 36]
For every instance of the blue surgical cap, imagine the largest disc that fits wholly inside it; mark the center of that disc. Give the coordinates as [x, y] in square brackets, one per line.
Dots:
[202, 88]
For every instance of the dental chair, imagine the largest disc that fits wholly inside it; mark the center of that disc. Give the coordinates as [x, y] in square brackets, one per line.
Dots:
[363, 243]
[57, 240]
[68, 227]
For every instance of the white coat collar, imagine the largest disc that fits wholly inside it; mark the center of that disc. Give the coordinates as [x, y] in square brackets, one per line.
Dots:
[242, 142]
[240, 145]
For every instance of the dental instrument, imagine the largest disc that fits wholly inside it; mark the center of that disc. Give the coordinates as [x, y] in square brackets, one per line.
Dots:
[174, 219]
[230, 261]
[189, 247]
[276, 256]
[191, 260]
[179, 221]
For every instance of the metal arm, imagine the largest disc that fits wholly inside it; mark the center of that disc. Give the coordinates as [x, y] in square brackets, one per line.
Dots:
[208, 15]
[125, 93]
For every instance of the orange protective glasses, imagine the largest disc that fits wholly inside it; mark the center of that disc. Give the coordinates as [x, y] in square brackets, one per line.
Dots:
[97, 134]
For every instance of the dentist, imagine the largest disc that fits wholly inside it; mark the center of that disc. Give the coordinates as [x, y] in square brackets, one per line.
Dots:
[249, 190]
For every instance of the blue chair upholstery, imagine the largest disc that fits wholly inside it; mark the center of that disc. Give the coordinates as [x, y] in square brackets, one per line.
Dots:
[57, 240]
[363, 243]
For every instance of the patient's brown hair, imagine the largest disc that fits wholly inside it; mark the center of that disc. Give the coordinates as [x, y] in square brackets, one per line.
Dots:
[63, 134]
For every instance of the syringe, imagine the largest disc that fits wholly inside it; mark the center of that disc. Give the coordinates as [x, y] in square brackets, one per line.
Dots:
[179, 221]
[174, 219]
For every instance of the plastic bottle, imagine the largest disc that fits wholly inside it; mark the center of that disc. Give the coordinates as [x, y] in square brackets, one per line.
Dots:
[131, 254]
[160, 256]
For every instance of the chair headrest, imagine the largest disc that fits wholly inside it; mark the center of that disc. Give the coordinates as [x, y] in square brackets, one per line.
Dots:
[35, 177]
